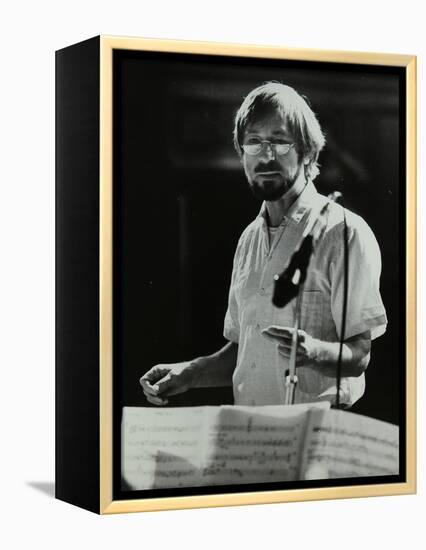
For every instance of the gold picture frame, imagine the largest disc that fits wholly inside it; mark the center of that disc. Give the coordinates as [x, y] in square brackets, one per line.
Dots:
[106, 46]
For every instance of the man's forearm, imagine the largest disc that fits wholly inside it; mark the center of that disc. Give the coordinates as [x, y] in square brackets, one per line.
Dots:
[217, 369]
[355, 356]
[319, 354]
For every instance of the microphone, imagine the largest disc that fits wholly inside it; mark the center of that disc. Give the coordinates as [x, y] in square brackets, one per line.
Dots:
[288, 283]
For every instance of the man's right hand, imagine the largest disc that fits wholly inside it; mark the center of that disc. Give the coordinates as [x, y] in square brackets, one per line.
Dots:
[162, 381]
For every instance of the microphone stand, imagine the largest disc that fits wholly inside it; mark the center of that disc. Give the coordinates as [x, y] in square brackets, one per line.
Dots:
[290, 284]
[290, 375]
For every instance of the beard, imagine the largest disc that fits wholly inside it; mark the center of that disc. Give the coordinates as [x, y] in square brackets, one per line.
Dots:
[270, 189]
[273, 188]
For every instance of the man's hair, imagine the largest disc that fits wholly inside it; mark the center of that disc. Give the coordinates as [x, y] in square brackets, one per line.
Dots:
[296, 113]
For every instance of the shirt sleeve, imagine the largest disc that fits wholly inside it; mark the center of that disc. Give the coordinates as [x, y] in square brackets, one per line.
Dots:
[365, 309]
[231, 330]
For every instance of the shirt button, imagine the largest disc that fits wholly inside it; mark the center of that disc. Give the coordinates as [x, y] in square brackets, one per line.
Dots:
[262, 292]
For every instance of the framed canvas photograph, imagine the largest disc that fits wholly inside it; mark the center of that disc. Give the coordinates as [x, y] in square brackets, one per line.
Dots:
[235, 274]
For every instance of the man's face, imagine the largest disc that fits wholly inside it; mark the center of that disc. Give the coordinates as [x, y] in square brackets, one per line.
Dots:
[271, 175]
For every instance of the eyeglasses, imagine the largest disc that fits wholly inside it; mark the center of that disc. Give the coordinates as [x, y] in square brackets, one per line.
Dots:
[255, 146]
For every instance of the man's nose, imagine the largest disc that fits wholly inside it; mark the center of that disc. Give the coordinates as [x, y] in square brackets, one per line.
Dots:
[268, 150]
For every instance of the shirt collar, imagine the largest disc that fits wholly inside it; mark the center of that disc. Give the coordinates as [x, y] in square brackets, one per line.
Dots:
[297, 210]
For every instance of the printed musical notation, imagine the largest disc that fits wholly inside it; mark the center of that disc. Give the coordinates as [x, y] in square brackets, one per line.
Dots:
[342, 444]
[248, 445]
[161, 447]
[183, 447]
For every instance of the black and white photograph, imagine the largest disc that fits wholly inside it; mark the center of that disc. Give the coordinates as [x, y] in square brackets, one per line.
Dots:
[259, 279]
[213, 275]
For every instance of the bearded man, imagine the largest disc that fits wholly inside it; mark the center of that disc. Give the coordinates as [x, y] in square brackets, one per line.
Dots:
[278, 139]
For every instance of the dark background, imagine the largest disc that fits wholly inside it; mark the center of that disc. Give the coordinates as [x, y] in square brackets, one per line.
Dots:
[181, 202]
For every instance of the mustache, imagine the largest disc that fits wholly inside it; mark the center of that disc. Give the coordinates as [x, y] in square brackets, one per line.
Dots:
[268, 167]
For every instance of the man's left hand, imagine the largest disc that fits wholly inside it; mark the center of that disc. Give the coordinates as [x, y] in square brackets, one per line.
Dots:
[307, 347]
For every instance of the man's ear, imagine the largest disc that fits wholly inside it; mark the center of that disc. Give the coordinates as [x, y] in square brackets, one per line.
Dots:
[306, 160]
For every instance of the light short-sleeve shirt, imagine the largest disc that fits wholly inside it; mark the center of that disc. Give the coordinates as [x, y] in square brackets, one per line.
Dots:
[259, 375]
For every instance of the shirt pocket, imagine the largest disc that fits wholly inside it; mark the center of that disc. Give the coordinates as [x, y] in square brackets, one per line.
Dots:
[311, 319]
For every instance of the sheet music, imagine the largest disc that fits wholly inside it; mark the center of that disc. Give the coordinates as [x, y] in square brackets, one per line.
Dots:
[255, 445]
[343, 444]
[162, 447]
[181, 447]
